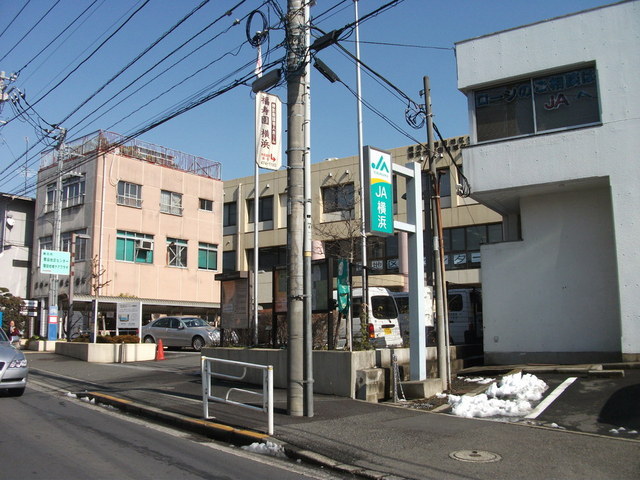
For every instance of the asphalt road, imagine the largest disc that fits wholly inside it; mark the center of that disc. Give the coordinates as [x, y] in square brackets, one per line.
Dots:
[50, 436]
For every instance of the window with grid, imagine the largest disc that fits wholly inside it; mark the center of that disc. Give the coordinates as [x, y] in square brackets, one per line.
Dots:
[338, 198]
[561, 100]
[265, 209]
[81, 244]
[171, 202]
[50, 201]
[73, 191]
[129, 194]
[207, 256]
[230, 214]
[206, 205]
[176, 252]
[462, 244]
[134, 247]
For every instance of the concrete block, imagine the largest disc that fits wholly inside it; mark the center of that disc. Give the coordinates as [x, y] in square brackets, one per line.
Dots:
[370, 384]
[421, 388]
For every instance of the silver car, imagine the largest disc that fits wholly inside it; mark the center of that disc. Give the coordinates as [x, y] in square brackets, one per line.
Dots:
[13, 367]
[181, 331]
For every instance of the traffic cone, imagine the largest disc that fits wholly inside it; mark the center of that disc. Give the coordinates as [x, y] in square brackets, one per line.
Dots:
[160, 350]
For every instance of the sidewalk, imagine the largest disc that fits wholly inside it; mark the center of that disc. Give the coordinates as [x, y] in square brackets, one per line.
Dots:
[371, 440]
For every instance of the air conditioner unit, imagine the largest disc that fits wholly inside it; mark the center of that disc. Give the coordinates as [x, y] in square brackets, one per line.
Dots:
[144, 244]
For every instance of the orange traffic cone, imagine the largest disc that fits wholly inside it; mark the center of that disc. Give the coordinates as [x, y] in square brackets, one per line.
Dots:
[160, 351]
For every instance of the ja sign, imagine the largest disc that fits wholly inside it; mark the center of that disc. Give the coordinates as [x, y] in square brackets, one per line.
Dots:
[378, 191]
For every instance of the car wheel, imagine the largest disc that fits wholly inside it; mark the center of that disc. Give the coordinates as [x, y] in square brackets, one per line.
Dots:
[16, 392]
[149, 339]
[197, 343]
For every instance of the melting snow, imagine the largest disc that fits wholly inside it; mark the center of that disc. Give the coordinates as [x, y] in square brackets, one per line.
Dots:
[268, 448]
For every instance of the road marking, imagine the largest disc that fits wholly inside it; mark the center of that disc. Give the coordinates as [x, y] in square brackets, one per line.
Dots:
[551, 397]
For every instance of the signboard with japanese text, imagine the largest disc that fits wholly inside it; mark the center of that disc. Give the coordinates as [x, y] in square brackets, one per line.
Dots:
[268, 131]
[378, 191]
[129, 315]
[55, 262]
[235, 303]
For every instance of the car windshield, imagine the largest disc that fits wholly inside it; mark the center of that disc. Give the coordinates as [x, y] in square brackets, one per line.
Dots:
[194, 322]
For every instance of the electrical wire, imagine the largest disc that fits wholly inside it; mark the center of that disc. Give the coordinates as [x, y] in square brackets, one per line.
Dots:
[14, 18]
[30, 30]
[139, 77]
[138, 57]
[57, 37]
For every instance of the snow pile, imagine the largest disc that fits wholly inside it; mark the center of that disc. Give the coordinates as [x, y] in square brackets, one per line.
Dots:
[268, 448]
[511, 397]
[478, 380]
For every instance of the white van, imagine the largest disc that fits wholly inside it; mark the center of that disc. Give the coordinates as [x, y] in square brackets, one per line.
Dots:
[402, 301]
[382, 327]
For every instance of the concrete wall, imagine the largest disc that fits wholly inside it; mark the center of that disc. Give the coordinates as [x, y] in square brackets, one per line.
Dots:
[107, 352]
[565, 300]
[512, 175]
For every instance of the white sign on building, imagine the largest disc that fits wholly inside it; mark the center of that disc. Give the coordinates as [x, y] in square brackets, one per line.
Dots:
[268, 131]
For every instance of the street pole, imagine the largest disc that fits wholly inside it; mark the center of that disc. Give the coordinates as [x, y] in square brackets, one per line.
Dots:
[363, 230]
[443, 350]
[296, 150]
[72, 273]
[308, 290]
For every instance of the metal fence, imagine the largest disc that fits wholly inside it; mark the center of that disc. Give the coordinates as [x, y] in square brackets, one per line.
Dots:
[207, 368]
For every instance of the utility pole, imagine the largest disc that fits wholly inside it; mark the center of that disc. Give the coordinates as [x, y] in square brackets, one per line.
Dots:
[439, 285]
[57, 222]
[296, 149]
[308, 286]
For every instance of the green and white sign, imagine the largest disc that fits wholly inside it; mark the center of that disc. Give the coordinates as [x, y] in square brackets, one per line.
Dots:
[378, 191]
[55, 262]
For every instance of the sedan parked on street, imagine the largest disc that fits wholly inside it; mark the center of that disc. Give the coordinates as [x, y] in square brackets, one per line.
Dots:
[13, 367]
[181, 331]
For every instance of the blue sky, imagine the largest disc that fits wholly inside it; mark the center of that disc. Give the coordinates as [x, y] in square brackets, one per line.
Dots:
[222, 128]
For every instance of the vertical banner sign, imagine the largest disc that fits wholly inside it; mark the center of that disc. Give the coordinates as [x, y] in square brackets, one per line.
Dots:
[343, 286]
[378, 191]
[268, 131]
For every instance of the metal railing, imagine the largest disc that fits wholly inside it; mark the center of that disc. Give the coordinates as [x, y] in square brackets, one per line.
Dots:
[207, 364]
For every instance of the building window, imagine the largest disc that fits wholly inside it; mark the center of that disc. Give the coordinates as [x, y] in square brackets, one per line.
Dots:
[81, 244]
[134, 247]
[206, 205]
[269, 257]
[462, 244]
[265, 209]
[382, 254]
[539, 104]
[229, 261]
[129, 194]
[73, 191]
[338, 198]
[230, 214]
[176, 252]
[46, 243]
[50, 202]
[171, 202]
[207, 256]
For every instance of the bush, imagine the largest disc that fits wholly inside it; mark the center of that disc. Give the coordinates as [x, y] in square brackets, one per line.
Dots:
[108, 339]
[126, 339]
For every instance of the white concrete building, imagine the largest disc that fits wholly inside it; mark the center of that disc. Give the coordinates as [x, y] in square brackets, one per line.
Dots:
[554, 144]
[16, 235]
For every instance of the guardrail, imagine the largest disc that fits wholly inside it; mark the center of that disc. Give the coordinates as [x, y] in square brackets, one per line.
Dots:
[207, 369]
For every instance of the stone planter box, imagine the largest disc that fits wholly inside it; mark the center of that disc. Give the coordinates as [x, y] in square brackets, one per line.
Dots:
[42, 345]
[334, 372]
[107, 352]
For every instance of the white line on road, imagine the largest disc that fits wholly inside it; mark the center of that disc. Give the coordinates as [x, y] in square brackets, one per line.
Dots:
[551, 397]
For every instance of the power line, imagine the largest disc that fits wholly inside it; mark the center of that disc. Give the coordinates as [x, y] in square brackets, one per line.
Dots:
[57, 36]
[93, 52]
[407, 45]
[138, 57]
[30, 30]
[14, 18]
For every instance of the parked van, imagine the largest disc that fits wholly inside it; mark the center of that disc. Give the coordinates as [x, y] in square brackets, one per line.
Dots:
[465, 315]
[382, 326]
[402, 302]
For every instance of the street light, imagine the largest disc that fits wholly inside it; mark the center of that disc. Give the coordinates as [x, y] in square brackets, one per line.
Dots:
[72, 279]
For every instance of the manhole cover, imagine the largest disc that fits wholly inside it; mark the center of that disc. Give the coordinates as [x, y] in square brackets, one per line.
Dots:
[478, 456]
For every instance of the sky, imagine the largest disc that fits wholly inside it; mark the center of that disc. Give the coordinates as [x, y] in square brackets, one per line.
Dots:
[124, 65]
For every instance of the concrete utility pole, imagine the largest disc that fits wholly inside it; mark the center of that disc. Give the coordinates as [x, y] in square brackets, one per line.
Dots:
[439, 287]
[296, 149]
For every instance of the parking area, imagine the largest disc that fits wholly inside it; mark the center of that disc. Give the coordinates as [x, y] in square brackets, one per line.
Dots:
[598, 404]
